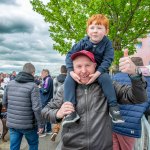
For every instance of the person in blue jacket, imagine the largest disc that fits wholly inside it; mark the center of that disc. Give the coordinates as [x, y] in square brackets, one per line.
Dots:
[124, 134]
[46, 94]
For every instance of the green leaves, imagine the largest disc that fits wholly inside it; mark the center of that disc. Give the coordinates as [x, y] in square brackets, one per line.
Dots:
[129, 20]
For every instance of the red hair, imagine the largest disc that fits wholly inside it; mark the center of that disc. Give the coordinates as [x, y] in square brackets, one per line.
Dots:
[100, 19]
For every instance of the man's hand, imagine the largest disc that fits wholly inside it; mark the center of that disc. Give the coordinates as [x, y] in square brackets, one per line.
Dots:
[66, 109]
[126, 65]
[125, 53]
[40, 130]
[75, 76]
[93, 77]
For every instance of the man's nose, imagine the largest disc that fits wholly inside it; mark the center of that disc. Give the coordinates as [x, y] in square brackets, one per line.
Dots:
[83, 70]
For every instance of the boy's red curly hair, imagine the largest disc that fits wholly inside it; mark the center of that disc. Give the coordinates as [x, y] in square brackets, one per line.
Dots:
[100, 19]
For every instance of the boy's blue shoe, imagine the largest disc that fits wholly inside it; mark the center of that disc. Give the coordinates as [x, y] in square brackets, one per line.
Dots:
[69, 119]
[114, 113]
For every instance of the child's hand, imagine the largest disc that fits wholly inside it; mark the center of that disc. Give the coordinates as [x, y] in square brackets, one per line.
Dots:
[94, 77]
[75, 76]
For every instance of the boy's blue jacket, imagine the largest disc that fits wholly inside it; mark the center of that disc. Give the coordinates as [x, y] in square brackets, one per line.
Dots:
[103, 53]
[131, 113]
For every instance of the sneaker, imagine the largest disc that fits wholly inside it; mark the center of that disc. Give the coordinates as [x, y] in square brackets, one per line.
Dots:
[42, 135]
[49, 133]
[71, 118]
[114, 113]
[53, 137]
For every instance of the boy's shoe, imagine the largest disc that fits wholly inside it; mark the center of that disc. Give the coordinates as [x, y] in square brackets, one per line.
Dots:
[71, 118]
[114, 113]
[42, 135]
[53, 137]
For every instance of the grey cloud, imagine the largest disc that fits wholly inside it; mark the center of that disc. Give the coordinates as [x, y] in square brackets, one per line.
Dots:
[15, 57]
[25, 38]
[1, 39]
[28, 55]
[8, 2]
[25, 41]
[15, 24]
[4, 50]
[16, 46]
[18, 42]
[55, 60]
[38, 45]
[13, 46]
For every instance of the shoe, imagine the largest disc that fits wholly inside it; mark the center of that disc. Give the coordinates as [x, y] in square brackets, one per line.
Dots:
[71, 118]
[114, 113]
[49, 133]
[42, 135]
[53, 137]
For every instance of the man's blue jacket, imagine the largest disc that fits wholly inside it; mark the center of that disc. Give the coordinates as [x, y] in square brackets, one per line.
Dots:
[132, 114]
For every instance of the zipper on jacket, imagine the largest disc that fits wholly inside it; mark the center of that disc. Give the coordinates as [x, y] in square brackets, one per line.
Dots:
[94, 47]
[87, 110]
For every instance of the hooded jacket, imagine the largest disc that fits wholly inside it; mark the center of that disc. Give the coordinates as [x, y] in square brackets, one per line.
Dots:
[93, 131]
[58, 81]
[22, 99]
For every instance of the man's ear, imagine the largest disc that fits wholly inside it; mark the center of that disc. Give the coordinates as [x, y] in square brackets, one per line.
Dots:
[95, 64]
[33, 73]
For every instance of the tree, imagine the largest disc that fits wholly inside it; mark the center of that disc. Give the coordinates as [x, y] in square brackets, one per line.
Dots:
[129, 20]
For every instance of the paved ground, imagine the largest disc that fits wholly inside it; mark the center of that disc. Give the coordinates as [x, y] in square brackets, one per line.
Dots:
[44, 144]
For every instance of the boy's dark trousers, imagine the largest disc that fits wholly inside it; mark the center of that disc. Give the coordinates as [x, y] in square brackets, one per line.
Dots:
[104, 81]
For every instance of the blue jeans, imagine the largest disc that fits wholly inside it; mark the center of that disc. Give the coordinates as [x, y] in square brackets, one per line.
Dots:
[104, 81]
[47, 127]
[30, 135]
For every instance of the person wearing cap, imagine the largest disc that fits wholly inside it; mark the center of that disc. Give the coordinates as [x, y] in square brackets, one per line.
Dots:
[92, 131]
[98, 43]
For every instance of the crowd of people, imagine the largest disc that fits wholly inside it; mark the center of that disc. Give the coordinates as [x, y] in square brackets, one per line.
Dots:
[46, 94]
[94, 111]
[5, 78]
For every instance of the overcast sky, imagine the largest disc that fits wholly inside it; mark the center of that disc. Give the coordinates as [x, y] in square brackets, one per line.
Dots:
[24, 37]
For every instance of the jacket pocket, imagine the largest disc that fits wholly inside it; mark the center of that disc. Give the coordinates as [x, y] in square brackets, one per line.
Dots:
[69, 135]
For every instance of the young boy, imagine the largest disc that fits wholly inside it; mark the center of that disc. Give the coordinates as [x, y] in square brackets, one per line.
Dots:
[96, 42]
